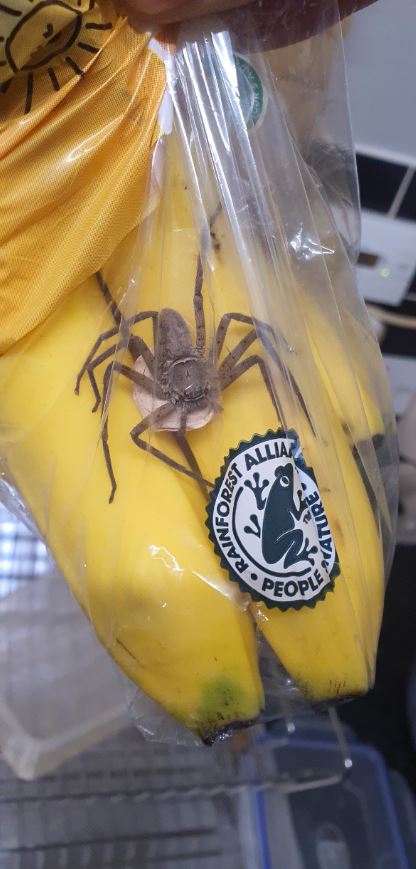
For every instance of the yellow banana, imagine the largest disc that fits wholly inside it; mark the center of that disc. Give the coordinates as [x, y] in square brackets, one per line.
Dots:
[330, 650]
[343, 377]
[142, 566]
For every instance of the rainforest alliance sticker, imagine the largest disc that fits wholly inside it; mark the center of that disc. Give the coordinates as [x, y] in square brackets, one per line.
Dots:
[268, 523]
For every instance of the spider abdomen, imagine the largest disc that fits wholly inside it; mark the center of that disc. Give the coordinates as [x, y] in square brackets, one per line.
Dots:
[174, 338]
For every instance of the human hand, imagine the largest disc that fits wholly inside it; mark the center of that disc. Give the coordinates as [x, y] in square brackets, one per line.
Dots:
[149, 13]
[281, 21]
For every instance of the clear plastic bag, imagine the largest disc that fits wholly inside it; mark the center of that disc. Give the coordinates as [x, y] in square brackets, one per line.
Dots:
[226, 515]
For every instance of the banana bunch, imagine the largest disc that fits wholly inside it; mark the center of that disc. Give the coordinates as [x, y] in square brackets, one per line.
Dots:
[142, 566]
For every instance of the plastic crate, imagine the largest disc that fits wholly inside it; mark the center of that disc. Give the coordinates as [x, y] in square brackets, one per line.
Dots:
[351, 824]
[59, 690]
[129, 804]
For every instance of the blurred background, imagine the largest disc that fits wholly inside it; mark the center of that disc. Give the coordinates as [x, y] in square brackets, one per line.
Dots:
[78, 785]
[381, 70]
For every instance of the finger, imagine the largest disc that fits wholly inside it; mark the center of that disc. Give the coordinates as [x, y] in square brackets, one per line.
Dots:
[277, 22]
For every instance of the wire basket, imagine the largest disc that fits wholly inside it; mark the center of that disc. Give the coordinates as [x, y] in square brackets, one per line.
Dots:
[124, 802]
[130, 804]
[59, 691]
[93, 814]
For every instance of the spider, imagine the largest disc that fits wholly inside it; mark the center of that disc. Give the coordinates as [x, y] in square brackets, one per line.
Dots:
[181, 377]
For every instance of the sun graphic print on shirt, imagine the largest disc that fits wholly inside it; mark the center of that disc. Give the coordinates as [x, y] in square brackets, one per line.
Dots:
[44, 44]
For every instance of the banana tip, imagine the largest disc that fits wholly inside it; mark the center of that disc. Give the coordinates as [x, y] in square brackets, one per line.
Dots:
[225, 731]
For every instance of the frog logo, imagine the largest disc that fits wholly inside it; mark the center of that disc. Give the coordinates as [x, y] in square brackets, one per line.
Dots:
[268, 523]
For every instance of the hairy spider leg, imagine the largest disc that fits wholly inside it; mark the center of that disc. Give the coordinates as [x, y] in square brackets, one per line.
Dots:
[135, 344]
[147, 423]
[190, 457]
[90, 364]
[136, 351]
[237, 352]
[230, 375]
[199, 308]
[265, 333]
[141, 380]
[110, 333]
[116, 312]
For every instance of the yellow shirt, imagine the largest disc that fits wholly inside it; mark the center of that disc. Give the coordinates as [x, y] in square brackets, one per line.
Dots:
[79, 99]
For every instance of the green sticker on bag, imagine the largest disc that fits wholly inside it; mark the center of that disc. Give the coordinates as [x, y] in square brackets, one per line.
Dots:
[252, 97]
